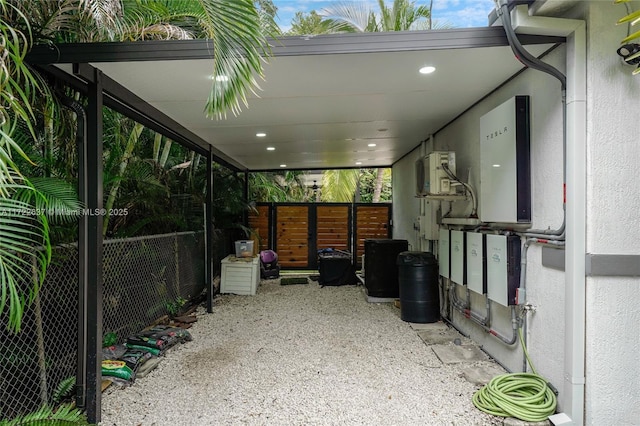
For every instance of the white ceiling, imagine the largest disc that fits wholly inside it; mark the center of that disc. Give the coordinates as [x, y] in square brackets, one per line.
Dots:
[321, 111]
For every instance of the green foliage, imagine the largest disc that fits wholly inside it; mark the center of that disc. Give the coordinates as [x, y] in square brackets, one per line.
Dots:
[309, 23]
[174, 308]
[403, 15]
[64, 390]
[65, 415]
[286, 186]
[109, 339]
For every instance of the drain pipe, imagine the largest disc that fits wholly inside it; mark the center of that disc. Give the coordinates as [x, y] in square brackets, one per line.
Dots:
[82, 348]
[572, 401]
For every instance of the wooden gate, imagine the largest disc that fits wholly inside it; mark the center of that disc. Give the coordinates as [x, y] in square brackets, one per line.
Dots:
[292, 236]
[296, 231]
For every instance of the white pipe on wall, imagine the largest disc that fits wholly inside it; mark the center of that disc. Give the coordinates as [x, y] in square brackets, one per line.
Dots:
[572, 398]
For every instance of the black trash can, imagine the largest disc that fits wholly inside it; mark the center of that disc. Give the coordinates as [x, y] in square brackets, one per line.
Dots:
[419, 294]
[380, 270]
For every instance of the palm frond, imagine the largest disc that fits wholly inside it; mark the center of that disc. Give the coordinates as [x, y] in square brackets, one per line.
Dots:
[356, 16]
[57, 199]
[22, 230]
[339, 185]
[239, 49]
[65, 415]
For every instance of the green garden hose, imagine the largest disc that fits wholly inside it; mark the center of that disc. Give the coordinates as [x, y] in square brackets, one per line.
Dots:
[525, 396]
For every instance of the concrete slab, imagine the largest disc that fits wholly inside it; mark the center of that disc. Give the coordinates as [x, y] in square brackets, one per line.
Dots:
[451, 354]
[481, 374]
[439, 336]
[429, 326]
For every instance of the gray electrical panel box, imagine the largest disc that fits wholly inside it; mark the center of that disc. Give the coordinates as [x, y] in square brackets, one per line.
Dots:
[443, 252]
[503, 268]
[458, 255]
[476, 262]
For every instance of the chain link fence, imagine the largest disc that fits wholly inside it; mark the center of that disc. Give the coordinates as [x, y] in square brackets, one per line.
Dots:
[142, 277]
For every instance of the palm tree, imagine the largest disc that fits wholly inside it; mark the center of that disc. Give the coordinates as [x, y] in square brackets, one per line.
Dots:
[403, 15]
[237, 29]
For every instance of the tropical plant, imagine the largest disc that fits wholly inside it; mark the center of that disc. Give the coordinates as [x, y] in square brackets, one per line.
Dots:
[308, 23]
[281, 187]
[403, 15]
[49, 416]
[340, 185]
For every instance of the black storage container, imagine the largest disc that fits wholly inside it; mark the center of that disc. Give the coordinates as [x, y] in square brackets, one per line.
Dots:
[419, 293]
[335, 268]
[380, 270]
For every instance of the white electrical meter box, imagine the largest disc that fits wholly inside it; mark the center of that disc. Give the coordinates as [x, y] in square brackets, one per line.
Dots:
[503, 268]
[476, 272]
[458, 266]
[505, 168]
[443, 252]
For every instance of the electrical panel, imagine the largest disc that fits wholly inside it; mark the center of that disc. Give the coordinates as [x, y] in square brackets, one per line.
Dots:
[428, 223]
[503, 268]
[476, 262]
[458, 255]
[505, 168]
[443, 252]
[431, 177]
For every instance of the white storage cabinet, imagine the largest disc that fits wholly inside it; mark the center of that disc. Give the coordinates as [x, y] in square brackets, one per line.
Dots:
[240, 275]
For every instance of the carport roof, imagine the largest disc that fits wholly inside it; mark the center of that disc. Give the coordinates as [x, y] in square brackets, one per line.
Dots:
[325, 100]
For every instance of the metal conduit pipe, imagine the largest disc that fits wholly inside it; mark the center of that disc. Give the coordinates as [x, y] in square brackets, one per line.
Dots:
[510, 341]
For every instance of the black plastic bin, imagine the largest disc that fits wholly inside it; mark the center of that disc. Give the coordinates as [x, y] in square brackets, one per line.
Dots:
[419, 294]
[335, 268]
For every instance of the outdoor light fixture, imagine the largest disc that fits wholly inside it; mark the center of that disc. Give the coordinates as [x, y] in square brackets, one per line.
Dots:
[371, 144]
[261, 135]
[358, 163]
[271, 148]
[283, 165]
[630, 53]
[427, 70]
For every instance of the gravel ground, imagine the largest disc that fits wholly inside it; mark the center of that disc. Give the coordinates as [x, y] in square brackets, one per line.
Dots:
[298, 355]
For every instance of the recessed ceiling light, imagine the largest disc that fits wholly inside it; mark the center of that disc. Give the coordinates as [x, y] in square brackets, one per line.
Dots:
[358, 163]
[220, 78]
[495, 165]
[271, 148]
[426, 70]
[283, 165]
[371, 144]
[261, 135]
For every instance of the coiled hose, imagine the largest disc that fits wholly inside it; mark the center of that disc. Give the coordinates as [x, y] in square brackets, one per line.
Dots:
[525, 396]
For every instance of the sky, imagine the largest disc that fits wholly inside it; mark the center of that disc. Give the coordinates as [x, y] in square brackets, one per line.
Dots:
[458, 13]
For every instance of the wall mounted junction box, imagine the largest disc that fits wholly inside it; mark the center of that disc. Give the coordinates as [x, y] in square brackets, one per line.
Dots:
[503, 268]
[476, 262]
[458, 257]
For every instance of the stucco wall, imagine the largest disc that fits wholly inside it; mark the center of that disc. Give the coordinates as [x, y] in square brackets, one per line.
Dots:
[612, 219]
[613, 222]
[545, 286]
